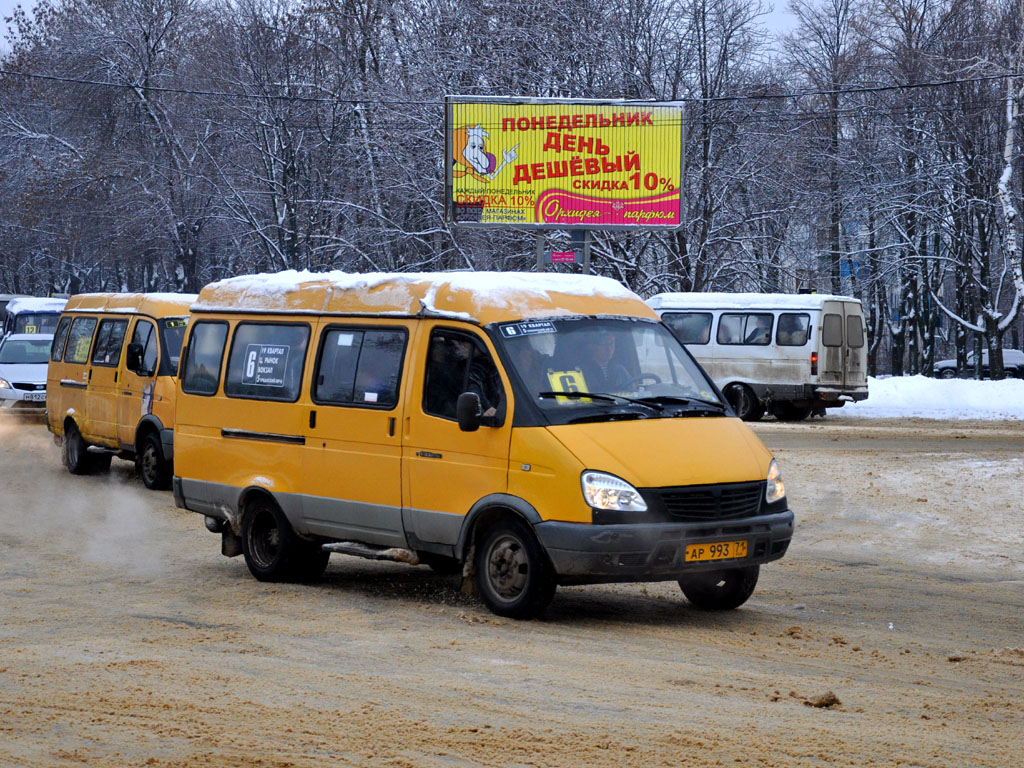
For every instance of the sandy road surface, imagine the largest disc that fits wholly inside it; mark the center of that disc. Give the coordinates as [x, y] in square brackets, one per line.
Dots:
[127, 640]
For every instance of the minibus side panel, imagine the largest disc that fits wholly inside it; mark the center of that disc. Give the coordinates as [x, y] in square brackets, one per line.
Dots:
[446, 470]
[352, 461]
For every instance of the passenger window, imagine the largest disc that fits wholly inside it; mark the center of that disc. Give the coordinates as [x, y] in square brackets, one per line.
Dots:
[792, 331]
[60, 339]
[266, 361]
[109, 341]
[752, 328]
[689, 327]
[855, 331]
[145, 336]
[204, 355]
[456, 363]
[832, 331]
[360, 367]
[79, 340]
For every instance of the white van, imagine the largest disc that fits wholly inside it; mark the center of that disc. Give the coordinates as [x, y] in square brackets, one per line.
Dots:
[789, 354]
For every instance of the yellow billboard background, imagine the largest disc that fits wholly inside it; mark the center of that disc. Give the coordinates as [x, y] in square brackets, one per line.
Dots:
[564, 164]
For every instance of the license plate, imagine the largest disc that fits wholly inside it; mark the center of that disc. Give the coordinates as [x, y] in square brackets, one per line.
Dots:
[35, 397]
[719, 550]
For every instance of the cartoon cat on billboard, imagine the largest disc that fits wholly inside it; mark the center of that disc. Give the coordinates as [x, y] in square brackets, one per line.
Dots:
[469, 151]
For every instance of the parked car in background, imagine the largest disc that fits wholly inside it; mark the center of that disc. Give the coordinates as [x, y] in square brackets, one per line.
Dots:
[23, 359]
[32, 314]
[1013, 364]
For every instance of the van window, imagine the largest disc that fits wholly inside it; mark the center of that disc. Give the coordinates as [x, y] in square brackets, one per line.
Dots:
[266, 361]
[109, 340]
[854, 331]
[60, 339]
[359, 367]
[173, 335]
[459, 362]
[792, 331]
[832, 331]
[745, 328]
[204, 355]
[145, 336]
[35, 322]
[689, 327]
[79, 340]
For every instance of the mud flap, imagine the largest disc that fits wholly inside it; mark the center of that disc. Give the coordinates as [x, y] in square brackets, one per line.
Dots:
[230, 544]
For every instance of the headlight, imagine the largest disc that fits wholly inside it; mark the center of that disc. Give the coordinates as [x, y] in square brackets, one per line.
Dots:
[603, 491]
[775, 489]
[4, 384]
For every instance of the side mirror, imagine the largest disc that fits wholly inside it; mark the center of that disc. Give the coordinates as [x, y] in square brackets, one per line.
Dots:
[133, 358]
[468, 411]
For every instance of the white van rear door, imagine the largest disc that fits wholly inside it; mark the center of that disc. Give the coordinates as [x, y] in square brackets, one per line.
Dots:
[856, 354]
[831, 345]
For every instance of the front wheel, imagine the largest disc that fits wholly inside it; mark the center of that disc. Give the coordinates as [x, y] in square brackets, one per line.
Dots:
[512, 571]
[273, 552]
[720, 590]
[153, 468]
[744, 402]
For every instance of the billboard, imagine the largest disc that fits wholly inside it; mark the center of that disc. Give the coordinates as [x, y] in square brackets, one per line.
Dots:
[545, 163]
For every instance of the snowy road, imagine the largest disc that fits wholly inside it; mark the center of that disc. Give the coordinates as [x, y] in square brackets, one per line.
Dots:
[127, 640]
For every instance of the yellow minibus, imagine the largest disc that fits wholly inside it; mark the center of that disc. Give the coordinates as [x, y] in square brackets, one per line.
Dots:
[110, 381]
[526, 430]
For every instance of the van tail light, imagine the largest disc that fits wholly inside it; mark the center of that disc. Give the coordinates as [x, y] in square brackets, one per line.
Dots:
[814, 363]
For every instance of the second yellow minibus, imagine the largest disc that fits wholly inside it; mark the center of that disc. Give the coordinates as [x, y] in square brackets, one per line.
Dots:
[525, 430]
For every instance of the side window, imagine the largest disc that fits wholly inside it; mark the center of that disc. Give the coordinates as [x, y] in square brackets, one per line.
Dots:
[109, 341]
[459, 362]
[360, 367]
[689, 327]
[60, 339]
[832, 331]
[854, 331]
[792, 330]
[266, 361]
[79, 340]
[145, 336]
[752, 328]
[205, 352]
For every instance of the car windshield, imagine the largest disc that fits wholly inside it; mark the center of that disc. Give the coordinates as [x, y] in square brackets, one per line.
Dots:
[35, 322]
[26, 351]
[637, 367]
[174, 335]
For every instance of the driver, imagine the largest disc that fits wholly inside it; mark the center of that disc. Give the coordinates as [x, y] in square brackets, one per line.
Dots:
[600, 370]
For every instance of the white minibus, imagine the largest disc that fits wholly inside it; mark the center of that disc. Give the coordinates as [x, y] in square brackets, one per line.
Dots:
[789, 354]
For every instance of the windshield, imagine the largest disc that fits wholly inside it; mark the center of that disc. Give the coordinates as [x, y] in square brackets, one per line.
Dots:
[27, 351]
[35, 322]
[639, 367]
[173, 329]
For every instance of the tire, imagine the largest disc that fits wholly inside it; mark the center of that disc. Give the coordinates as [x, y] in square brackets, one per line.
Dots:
[720, 590]
[439, 564]
[513, 574]
[272, 550]
[744, 402]
[77, 458]
[151, 465]
[790, 412]
[947, 373]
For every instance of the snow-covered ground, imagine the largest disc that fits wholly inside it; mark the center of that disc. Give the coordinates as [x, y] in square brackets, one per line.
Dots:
[927, 398]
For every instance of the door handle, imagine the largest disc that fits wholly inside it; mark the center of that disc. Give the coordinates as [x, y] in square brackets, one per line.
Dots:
[312, 419]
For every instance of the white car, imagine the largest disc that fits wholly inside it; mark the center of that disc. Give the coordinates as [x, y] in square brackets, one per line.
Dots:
[23, 361]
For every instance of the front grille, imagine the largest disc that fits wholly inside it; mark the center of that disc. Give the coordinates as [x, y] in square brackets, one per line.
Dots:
[26, 387]
[712, 502]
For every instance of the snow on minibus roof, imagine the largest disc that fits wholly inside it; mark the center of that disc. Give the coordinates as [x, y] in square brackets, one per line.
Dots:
[481, 297]
[35, 304]
[152, 304]
[744, 300]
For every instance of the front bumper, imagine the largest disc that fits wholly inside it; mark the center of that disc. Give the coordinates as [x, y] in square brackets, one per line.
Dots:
[589, 554]
[15, 401]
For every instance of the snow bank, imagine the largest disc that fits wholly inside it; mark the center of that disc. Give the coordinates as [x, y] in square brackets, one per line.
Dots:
[927, 398]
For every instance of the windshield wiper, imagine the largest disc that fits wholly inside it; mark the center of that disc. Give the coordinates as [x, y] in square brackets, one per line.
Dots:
[604, 397]
[675, 400]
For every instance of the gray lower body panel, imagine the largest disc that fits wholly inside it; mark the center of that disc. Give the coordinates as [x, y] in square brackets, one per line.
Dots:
[584, 553]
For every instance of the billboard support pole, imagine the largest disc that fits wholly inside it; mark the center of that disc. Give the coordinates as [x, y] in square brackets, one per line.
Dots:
[586, 252]
[540, 251]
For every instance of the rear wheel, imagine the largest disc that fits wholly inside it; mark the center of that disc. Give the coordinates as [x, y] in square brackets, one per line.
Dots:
[153, 468]
[273, 552]
[790, 412]
[77, 458]
[720, 590]
[744, 402]
[512, 571]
